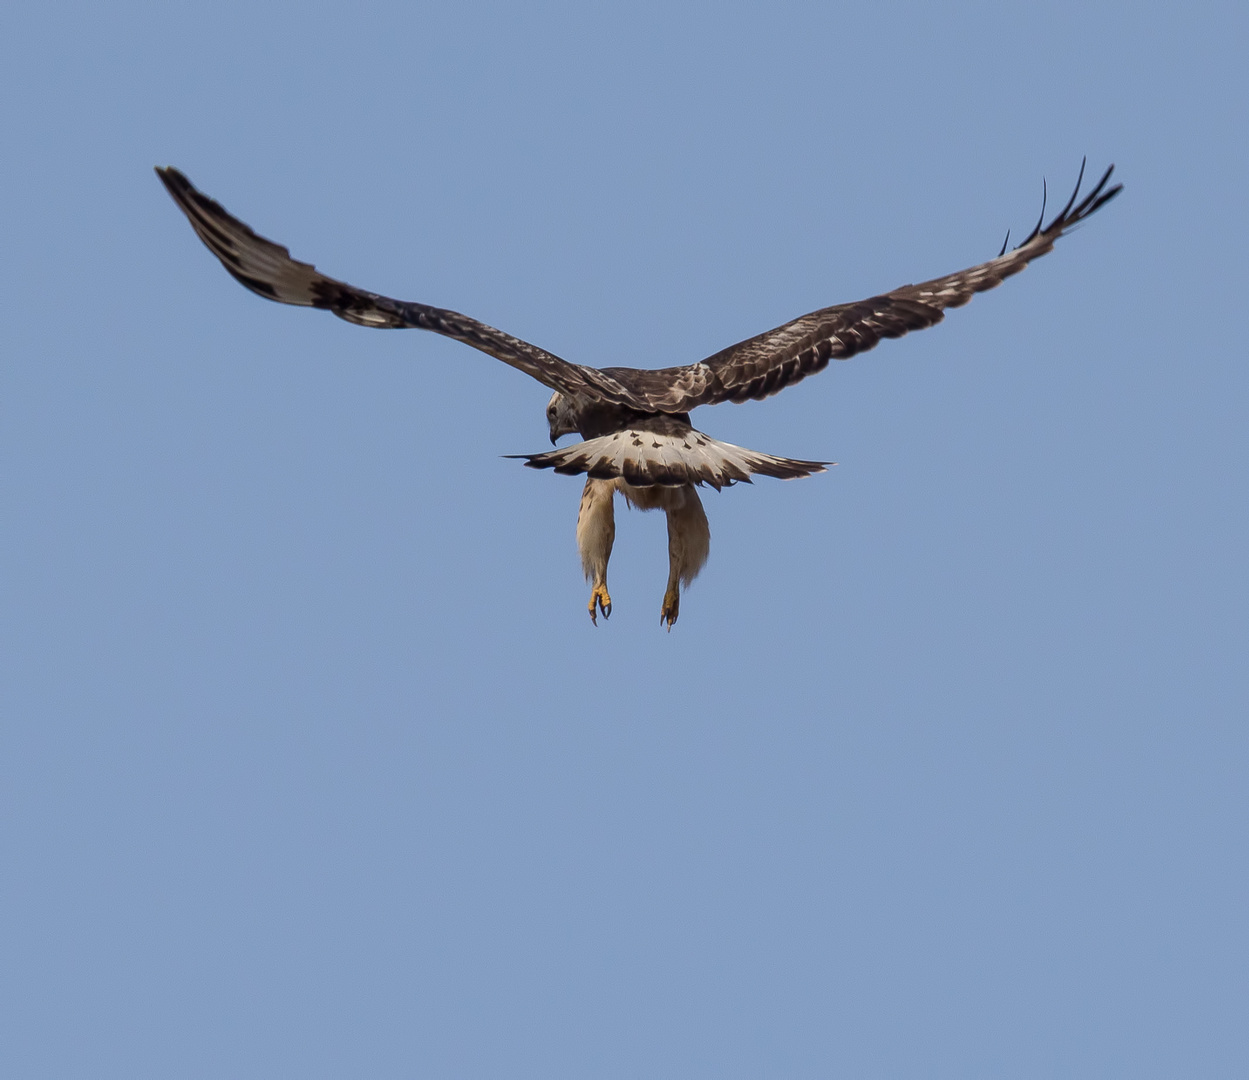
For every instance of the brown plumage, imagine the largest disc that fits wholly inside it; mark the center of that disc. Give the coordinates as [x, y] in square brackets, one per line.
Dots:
[634, 422]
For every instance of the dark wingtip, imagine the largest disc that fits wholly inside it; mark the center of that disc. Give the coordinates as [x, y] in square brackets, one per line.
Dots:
[1106, 198]
[1004, 243]
[171, 177]
[1072, 214]
[1061, 217]
[1098, 198]
[180, 189]
[1040, 220]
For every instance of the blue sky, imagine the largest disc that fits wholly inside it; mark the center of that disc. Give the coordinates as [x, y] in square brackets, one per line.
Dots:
[313, 764]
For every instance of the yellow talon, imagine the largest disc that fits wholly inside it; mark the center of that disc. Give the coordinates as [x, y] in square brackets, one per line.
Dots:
[600, 600]
[671, 609]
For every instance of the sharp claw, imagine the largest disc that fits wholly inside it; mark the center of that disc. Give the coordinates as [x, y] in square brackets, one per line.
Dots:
[670, 609]
[600, 600]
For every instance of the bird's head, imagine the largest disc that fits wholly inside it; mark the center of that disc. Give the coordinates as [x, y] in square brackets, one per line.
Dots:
[561, 414]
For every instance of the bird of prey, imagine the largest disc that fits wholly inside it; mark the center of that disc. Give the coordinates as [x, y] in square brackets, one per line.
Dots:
[635, 424]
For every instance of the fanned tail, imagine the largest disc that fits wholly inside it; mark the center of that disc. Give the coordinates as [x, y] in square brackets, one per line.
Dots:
[644, 458]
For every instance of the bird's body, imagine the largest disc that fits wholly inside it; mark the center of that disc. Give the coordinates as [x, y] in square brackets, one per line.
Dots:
[637, 437]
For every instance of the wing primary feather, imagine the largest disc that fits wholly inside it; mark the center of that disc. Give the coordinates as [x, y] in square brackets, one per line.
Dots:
[754, 368]
[1072, 201]
[1095, 199]
[267, 268]
[763, 365]
[1039, 221]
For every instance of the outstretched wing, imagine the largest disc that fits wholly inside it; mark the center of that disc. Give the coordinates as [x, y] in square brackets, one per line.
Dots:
[268, 269]
[763, 365]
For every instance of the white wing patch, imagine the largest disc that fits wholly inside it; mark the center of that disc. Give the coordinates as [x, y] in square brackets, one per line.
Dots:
[644, 458]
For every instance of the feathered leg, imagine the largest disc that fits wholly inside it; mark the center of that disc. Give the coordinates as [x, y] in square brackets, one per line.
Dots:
[596, 532]
[689, 543]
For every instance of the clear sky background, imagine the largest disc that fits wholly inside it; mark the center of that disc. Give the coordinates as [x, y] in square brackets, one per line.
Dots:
[312, 763]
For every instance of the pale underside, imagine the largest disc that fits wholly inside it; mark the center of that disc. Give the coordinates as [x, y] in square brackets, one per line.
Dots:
[689, 538]
[642, 458]
[635, 423]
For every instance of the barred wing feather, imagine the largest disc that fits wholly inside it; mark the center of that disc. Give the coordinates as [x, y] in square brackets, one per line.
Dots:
[268, 270]
[765, 364]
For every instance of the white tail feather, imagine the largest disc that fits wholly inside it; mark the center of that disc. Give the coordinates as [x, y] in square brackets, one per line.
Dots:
[643, 458]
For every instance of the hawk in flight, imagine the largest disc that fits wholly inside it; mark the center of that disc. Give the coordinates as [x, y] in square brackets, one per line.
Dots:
[635, 424]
